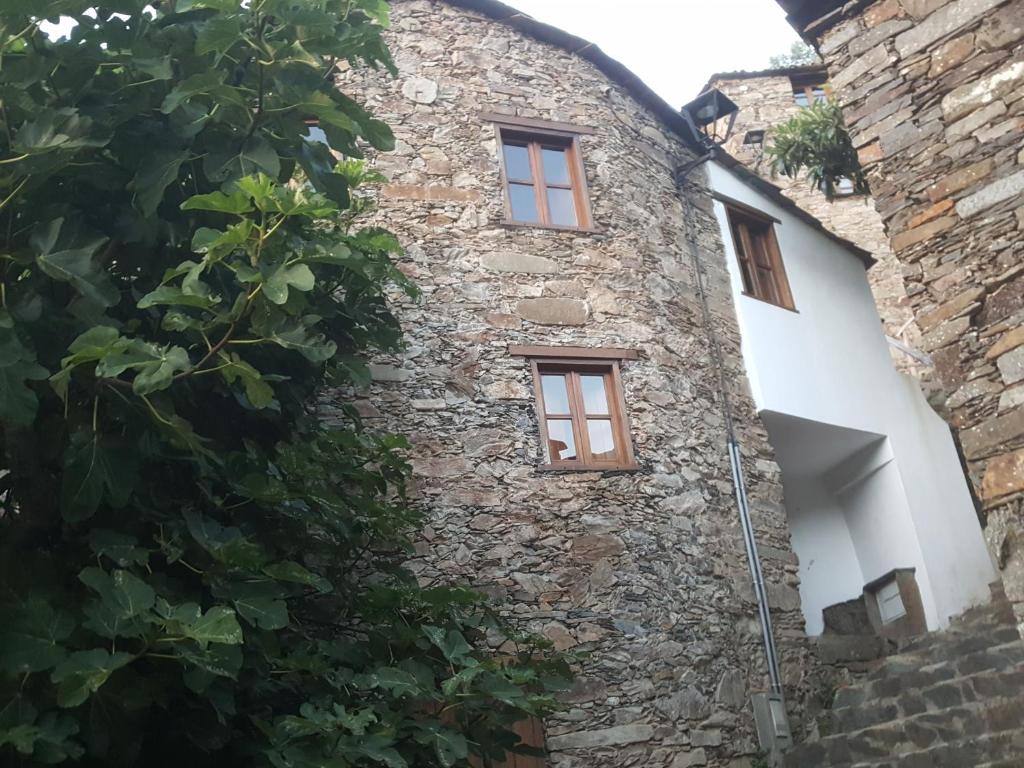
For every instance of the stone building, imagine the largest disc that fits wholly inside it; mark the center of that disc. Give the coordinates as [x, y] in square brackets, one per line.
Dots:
[565, 380]
[768, 98]
[933, 93]
[641, 566]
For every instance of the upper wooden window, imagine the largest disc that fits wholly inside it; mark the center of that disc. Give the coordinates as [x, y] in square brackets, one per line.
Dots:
[544, 181]
[757, 251]
[809, 90]
[581, 408]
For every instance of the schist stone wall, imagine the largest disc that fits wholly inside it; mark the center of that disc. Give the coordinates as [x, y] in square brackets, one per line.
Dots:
[644, 570]
[766, 102]
[933, 92]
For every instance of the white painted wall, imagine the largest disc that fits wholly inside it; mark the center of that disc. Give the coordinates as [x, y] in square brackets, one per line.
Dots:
[829, 362]
[829, 569]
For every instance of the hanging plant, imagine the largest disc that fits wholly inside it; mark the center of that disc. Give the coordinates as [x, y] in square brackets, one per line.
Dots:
[816, 141]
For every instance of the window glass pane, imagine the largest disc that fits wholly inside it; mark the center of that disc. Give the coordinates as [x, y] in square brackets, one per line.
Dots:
[748, 277]
[561, 207]
[315, 134]
[524, 202]
[768, 290]
[595, 399]
[556, 169]
[517, 163]
[556, 396]
[800, 98]
[602, 442]
[561, 443]
[761, 256]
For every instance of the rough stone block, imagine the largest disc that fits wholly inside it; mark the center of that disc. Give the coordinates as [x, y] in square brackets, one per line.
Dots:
[959, 304]
[881, 12]
[380, 372]
[431, 193]
[986, 438]
[978, 93]
[1002, 189]
[944, 21]
[961, 179]
[910, 237]
[518, 262]
[597, 547]
[1011, 366]
[945, 333]
[690, 759]
[606, 737]
[1003, 28]
[920, 9]
[429, 405]
[974, 121]
[930, 213]
[840, 35]
[1009, 340]
[833, 649]
[552, 311]
[872, 61]
[1014, 125]
[951, 54]
[1011, 398]
[420, 89]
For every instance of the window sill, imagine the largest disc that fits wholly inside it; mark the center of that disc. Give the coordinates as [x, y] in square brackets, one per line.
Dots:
[794, 310]
[554, 227]
[588, 467]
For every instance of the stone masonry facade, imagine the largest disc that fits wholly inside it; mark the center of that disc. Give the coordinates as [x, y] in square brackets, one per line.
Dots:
[643, 570]
[933, 93]
[766, 101]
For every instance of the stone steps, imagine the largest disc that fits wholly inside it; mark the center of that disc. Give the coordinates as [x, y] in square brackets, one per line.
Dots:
[945, 692]
[953, 699]
[981, 752]
[904, 736]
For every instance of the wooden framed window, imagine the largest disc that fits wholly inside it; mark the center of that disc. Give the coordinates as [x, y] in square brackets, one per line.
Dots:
[580, 407]
[543, 176]
[531, 734]
[809, 90]
[757, 251]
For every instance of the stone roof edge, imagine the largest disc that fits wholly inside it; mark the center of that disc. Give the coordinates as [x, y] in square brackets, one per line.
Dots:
[618, 73]
[775, 193]
[810, 24]
[613, 69]
[744, 74]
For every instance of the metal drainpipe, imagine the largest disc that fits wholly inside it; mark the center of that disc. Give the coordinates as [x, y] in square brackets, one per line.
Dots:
[738, 480]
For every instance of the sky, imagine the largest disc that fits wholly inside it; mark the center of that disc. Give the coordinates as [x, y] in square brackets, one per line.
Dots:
[674, 45]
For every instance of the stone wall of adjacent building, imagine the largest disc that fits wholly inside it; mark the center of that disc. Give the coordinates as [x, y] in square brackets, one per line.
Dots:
[766, 102]
[933, 92]
[644, 570]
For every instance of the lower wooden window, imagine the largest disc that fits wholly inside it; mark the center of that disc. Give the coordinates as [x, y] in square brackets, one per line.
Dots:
[757, 251]
[582, 414]
[531, 734]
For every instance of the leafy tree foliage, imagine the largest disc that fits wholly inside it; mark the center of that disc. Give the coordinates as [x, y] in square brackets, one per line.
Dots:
[816, 141]
[195, 569]
[800, 54]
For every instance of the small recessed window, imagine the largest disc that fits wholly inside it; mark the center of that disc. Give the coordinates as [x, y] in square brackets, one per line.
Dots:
[760, 262]
[581, 408]
[890, 603]
[544, 180]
